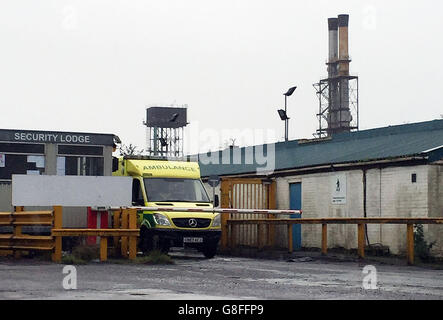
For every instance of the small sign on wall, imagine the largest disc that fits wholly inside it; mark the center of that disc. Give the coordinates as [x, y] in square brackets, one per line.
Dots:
[338, 189]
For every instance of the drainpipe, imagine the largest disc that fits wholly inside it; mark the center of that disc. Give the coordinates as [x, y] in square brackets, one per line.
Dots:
[364, 205]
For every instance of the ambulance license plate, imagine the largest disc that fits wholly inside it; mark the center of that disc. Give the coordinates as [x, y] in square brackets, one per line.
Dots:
[192, 240]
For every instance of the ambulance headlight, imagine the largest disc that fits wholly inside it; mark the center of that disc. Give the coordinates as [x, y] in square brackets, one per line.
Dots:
[161, 219]
[216, 221]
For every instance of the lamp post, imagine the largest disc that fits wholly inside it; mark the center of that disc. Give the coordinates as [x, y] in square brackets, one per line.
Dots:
[283, 113]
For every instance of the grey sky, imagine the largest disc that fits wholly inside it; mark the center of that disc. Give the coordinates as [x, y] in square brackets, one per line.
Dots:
[94, 65]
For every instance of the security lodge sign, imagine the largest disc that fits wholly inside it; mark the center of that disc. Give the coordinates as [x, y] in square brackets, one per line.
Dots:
[51, 137]
[56, 137]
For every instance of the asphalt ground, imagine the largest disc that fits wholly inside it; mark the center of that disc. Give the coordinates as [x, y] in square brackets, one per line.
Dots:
[223, 277]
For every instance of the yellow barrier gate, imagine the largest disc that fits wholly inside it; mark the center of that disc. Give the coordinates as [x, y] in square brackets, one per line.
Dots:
[125, 233]
[17, 241]
[247, 193]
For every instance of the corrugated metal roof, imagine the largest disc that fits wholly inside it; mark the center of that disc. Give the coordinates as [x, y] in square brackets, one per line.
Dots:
[366, 145]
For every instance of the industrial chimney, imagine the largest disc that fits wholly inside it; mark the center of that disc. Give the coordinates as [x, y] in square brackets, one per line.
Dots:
[336, 88]
[333, 71]
[333, 40]
[343, 22]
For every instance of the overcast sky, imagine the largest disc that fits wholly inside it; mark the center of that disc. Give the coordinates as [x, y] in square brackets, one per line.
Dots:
[94, 66]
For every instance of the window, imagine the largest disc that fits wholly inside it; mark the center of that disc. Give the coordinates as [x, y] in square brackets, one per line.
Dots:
[80, 150]
[21, 158]
[173, 189]
[25, 148]
[80, 166]
[74, 160]
[137, 193]
[414, 178]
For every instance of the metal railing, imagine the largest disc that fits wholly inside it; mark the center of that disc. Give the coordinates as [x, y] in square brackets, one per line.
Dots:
[124, 232]
[360, 222]
[17, 241]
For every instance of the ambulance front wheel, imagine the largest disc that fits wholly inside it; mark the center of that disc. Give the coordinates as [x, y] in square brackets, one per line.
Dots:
[209, 250]
[145, 242]
[149, 242]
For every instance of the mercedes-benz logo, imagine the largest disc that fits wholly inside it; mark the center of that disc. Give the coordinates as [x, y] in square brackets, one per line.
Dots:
[192, 223]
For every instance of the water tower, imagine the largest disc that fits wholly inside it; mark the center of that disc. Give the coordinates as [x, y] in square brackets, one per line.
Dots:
[164, 131]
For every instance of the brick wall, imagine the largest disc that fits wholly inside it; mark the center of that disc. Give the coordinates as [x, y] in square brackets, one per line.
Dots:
[390, 192]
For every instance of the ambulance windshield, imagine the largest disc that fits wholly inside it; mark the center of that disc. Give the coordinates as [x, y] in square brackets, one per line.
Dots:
[175, 190]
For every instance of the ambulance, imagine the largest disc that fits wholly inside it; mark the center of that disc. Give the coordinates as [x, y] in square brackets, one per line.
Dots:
[163, 183]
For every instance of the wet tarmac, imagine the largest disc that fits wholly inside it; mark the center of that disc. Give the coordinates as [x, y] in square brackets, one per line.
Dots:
[223, 277]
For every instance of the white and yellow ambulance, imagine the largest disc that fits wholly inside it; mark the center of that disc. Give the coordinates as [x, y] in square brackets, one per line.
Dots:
[164, 183]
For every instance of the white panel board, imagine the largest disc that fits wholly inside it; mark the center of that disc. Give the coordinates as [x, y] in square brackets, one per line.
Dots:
[71, 191]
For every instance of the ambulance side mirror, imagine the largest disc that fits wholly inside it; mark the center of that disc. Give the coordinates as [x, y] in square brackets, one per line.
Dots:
[216, 201]
[114, 164]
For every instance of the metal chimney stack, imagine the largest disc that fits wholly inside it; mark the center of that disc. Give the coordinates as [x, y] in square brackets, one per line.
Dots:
[333, 46]
[343, 22]
[339, 92]
[344, 116]
[333, 72]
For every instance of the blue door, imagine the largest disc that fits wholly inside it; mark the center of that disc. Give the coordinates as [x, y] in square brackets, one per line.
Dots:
[295, 204]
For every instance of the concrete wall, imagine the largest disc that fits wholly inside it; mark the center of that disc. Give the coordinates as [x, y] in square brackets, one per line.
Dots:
[5, 196]
[389, 193]
[317, 202]
[435, 205]
[400, 198]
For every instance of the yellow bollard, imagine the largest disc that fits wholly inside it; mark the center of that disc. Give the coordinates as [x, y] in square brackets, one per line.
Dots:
[324, 239]
[361, 240]
[58, 223]
[103, 248]
[132, 240]
[410, 243]
[224, 231]
[116, 225]
[124, 225]
[290, 244]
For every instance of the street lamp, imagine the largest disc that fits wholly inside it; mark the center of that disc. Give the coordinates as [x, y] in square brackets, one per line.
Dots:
[283, 113]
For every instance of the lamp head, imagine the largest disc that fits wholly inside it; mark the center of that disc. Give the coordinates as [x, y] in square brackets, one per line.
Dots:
[282, 114]
[290, 91]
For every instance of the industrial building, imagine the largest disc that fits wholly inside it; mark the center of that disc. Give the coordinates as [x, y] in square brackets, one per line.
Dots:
[395, 171]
